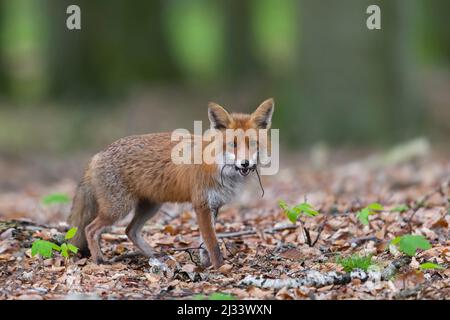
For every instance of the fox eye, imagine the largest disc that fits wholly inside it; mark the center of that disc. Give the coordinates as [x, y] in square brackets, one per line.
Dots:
[253, 143]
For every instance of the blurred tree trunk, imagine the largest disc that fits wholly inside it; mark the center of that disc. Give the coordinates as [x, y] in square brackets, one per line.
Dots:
[239, 42]
[435, 31]
[118, 44]
[3, 89]
[23, 44]
[357, 83]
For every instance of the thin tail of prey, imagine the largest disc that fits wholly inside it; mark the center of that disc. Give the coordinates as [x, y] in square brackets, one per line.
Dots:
[84, 211]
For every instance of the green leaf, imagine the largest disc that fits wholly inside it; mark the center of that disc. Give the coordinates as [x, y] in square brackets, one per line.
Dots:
[214, 296]
[34, 249]
[71, 233]
[375, 207]
[306, 209]
[355, 262]
[55, 198]
[292, 215]
[363, 216]
[72, 248]
[43, 248]
[283, 205]
[409, 244]
[64, 251]
[396, 240]
[430, 266]
[400, 208]
[221, 296]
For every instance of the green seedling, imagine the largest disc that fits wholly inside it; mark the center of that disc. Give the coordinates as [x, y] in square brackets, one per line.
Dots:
[355, 262]
[430, 266]
[55, 198]
[408, 244]
[295, 212]
[215, 296]
[371, 209]
[400, 208]
[45, 248]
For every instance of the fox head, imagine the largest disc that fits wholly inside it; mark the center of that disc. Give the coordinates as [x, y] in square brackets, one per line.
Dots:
[243, 134]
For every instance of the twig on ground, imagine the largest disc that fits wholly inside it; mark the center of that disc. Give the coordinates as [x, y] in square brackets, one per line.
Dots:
[123, 256]
[319, 232]
[306, 234]
[421, 203]
[254, 231]
[363, 239]
[235, 234]
[192, 258]
[188, 248]
[318, 279]
[406, 293]
[226, 247]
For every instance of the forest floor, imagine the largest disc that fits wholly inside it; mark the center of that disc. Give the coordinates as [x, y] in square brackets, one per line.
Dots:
[256, 238]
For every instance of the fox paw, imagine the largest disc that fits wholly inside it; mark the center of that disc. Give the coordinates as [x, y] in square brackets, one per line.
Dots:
[205, 261]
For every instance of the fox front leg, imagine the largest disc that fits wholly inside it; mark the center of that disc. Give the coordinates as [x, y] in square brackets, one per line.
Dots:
[204, 256]
[206, 220]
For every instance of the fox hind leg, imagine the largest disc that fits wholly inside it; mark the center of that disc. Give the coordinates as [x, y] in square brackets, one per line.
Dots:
[93, 233]
[144, 211]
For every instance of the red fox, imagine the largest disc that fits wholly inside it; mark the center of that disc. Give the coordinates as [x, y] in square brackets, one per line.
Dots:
[136, 173]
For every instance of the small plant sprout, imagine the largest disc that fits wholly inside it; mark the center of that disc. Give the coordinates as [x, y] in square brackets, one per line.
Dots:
[46, 248]
[355, 262]
[55, 198]
[430, 266]
[294, 213]
[371, 209]
[408, 244]
[215, 296]
[400, 208]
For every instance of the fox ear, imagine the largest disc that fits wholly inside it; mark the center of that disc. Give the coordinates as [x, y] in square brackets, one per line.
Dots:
[262, 116]
[218, 116]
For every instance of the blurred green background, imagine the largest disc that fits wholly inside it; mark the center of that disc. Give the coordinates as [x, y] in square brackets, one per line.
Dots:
[146, 66]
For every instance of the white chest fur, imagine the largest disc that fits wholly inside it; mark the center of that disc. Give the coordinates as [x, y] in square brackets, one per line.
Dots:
[226, 189]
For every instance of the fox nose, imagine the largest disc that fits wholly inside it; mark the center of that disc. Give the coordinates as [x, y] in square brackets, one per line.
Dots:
[245, 163]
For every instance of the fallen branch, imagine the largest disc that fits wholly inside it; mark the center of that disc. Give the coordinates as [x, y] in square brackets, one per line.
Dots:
[315, 278]
[360, 240]
[234, 234]
[239, 234]
[254, 231]
[319, 232]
